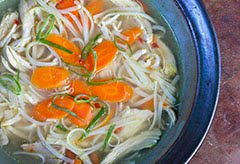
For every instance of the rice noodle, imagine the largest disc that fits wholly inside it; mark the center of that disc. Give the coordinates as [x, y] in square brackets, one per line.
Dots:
[51, 149]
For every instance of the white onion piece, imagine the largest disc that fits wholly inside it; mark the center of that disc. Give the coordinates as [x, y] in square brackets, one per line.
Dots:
[51, 149]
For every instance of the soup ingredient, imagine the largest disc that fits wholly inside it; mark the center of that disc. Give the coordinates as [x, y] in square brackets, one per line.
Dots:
[106, 52]
[7, 28]
[49, 77]
[94, 158]
[149, 105]
[46, 28]
[70, 58]
[108, 136]
[133, 34]
[79, 87]
[71, 155]
[113, 92]
[45, 110]
[11, 83]
[94, 7]
[84, 112]
[144, 140]
[108, 117]
[169, 63]
[94, 121]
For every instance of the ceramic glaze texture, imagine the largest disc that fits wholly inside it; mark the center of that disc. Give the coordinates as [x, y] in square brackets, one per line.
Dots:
[222, 145]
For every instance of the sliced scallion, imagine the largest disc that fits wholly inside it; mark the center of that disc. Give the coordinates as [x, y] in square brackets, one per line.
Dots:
[62, 108]
[46, 28]
[116, 38]
[82, 69]
[94, 122]
[11, 83]
[86, 50]
[108, 136]
[61, 127]
[89, 100]
[51, 44]
[94, 83]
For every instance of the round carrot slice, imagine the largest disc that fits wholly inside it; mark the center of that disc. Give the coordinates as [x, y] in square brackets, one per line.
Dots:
[79, 87]
[113, 92]
[73, 58]
[84, 112]
[133, 34]
[45, 110]
[49, 77]
[106, 52]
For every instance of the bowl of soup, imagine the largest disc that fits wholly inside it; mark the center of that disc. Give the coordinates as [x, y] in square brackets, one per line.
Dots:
[105, 81]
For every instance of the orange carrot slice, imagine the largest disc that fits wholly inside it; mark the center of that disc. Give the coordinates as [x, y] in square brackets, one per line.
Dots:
[94, 158]
[64, 4]
[106, 52]
[149, 105]
[83, 111]
[77, 161]
[45, 110]
[95, 6]
[66, 57]
[113, 92]
[72, 155]
[49, 77]
[134, 34]
[79, 87]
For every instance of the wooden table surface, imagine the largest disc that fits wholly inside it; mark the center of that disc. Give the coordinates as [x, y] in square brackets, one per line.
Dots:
[222, 145]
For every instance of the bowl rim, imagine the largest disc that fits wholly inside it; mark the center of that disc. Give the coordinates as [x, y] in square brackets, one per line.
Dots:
[208, 78]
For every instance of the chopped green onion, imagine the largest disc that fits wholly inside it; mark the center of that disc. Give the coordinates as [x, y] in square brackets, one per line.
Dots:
[108, 136]
[62, 108]
[11, 83]
[95, 62]
[48, 25]
[87, 73]
[61, 127]
[51, 44]
[89, 100]
[18, 75]
[94, 122]
[89, 47]
[103, 82]
[116, 38]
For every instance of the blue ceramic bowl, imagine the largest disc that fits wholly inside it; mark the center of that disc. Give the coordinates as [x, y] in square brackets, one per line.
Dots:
[192, 38]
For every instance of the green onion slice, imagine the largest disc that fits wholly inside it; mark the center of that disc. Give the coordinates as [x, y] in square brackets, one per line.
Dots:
[64, 109]
[94, 121]
[46, 28]
[83, 100]
[11, 83]
[86, 50]
[116, 39]
[80, 69]
[108, 136]
[94, 83]
[61, 127]
[51, 44]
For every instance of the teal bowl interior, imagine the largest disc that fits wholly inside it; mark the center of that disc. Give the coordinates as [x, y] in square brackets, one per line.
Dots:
[180, 39]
